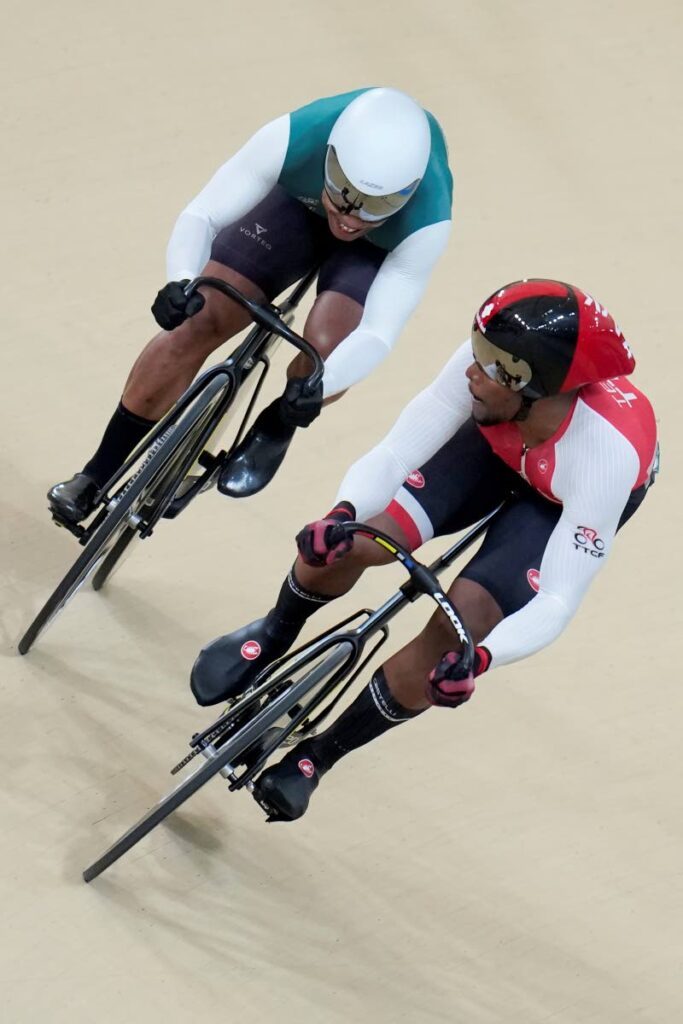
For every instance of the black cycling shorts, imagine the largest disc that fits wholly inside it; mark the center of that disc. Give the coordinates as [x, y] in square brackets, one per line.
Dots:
[459, 485]
[280, 241]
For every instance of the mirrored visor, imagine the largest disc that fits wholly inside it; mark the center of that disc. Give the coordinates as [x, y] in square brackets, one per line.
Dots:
[348, 199]
[499, 365]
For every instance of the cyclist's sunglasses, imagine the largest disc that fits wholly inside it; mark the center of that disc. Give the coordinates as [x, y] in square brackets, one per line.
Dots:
[499, 365]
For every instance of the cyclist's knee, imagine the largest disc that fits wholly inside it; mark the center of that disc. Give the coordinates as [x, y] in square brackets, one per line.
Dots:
[205, 331]
[362, 556]
[220, 318]
[366, 553]
[332, 318]
[479, 610]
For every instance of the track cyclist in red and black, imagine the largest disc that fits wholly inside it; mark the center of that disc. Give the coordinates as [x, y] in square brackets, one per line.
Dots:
[357, 185]
[536, 402]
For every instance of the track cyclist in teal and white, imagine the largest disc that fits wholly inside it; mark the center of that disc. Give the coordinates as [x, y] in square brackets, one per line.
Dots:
[368, 167]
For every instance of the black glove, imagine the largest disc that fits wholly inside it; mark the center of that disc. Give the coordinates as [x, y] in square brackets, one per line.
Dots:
[172, 307]
[298, 408]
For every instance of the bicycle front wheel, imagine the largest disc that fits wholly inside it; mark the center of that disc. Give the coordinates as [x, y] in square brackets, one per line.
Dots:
[127, 509]
[229, 753]
[113, 558]
[144, 826]
[103, 540]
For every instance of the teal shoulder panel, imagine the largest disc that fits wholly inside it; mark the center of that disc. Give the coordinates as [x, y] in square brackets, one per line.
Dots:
[302, 173]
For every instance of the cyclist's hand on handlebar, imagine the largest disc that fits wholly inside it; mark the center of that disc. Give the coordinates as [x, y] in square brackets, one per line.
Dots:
[449, 685]
[298, 407]
[172, 307]
[325, 541]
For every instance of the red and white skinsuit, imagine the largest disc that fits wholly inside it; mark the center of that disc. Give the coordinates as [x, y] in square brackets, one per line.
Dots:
[603, 451]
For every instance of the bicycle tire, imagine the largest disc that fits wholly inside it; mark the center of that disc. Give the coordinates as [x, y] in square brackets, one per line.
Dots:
[112, 559]
[121, 547]
[242, 740]
[105, 537]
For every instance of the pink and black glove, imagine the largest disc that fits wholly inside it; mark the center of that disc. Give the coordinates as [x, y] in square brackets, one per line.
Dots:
[324, 542]
[448, 685]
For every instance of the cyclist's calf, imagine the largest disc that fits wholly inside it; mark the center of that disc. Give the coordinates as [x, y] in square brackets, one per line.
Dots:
[480, 612]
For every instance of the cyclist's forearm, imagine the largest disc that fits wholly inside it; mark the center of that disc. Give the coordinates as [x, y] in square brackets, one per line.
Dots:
[353, 360]
[575, 552]
[529, 630]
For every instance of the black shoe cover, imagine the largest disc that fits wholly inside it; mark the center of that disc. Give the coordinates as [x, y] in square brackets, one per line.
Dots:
[229, 664]
[73, 500]
[257, 458]
[287, 787]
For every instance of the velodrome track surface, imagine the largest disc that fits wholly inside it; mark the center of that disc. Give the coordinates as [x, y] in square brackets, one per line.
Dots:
[515, 863]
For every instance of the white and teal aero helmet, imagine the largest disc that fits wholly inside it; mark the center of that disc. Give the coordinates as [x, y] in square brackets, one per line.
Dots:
[377, 153]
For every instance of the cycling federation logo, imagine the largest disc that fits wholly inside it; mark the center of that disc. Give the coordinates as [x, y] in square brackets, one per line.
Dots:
[587, 540]
[534, 579]
[306, 767]
[256, 234]
[415, 479]
[250, 650]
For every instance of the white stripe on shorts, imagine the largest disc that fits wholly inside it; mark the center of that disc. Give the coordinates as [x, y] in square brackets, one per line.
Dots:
[407, 501]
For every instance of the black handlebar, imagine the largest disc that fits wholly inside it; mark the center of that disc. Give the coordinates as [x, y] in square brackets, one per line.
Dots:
[267, 316]
[424, 581]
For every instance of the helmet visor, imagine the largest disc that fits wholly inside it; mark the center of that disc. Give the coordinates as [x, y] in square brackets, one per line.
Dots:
[349, 199]
[506, 369]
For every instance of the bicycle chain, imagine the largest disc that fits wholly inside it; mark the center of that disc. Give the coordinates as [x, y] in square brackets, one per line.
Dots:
[209, 738]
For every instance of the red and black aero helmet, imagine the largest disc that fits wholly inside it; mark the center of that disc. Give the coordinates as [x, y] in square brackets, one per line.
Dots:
[544, 337]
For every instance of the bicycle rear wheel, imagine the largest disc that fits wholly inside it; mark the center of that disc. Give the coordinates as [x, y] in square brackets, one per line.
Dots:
[128, 508]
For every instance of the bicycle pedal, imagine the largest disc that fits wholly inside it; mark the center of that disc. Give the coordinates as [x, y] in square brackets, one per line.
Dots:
[268, 810]
[75, 528]
[208, 461]
[272, 813]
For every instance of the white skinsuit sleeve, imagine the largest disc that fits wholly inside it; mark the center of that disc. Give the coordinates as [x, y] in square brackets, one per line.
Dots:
[236, 187]
[595, 471]
[391, 299]
[424, 426]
